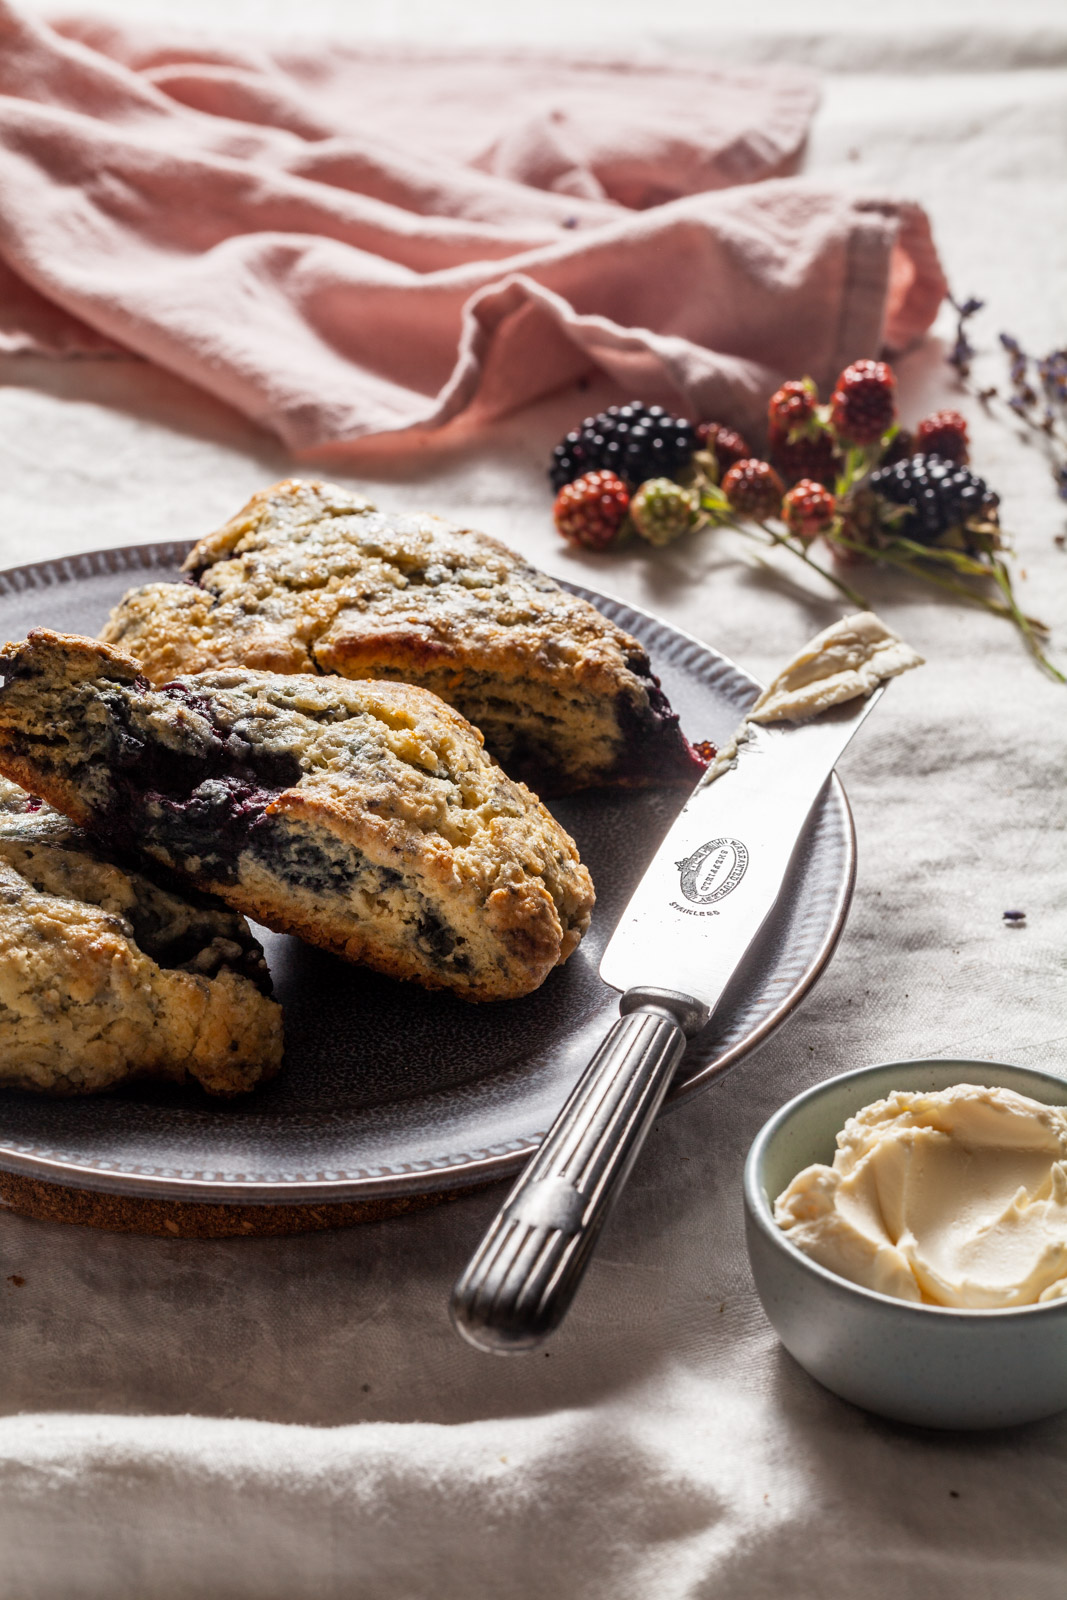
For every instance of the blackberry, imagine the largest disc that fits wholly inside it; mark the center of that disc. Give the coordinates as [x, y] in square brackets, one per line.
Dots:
[939, 495]
[900, 446]
[635, 442]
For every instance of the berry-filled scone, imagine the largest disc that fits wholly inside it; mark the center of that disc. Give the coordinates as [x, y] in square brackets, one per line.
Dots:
[310, 578]
[365, 817]
[106, 975]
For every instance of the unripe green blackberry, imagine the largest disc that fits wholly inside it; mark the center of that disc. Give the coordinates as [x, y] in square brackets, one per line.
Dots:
[662, 511]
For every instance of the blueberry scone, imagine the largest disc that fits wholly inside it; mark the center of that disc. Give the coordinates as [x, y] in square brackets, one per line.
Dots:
[310, 578]
[364, 817]
[107, 975]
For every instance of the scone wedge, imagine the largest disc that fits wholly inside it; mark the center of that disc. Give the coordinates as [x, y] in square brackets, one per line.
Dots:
[364, 817]
[311, 578]
[107, 975]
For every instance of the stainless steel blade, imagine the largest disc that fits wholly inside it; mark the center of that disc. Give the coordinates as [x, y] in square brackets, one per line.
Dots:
[719, 871]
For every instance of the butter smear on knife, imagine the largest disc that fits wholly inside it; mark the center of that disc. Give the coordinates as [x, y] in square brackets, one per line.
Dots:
[847, 660]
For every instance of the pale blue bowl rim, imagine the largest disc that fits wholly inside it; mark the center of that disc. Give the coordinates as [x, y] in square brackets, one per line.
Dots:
[761, 1209]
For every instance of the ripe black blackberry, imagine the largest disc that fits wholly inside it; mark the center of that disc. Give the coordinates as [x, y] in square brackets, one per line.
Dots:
[634, 441]
[939, 494]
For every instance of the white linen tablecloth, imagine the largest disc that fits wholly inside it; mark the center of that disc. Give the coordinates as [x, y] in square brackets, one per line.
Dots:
[294, 1419]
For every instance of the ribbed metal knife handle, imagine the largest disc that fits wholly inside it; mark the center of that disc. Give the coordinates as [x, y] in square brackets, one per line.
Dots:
[524, 1274]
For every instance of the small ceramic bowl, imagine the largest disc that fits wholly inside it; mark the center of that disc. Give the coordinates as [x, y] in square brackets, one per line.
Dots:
[930, 1365]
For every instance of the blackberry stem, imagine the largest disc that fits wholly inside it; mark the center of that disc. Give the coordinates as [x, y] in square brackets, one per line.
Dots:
[713, 504]
[1008, 607]
[850, 594]
[1025, 624]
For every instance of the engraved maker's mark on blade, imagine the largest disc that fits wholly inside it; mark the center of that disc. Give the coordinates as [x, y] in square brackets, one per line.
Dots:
[713, 871]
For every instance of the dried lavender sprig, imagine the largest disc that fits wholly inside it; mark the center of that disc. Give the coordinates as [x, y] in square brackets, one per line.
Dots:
[963, 352]
[1023, 395]
[1051, 371]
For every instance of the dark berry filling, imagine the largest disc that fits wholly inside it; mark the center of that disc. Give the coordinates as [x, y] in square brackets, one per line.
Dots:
[193, 950]
[653, 741]
[213, 824]
[203, 796]
[435, 938]
[206, 803]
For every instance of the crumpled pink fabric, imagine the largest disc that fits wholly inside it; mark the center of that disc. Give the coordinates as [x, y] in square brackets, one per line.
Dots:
[345, 243]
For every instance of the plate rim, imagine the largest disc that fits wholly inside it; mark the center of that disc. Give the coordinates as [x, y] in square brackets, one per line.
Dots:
[489, 1166]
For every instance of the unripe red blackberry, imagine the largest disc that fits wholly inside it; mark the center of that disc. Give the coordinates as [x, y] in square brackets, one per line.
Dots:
[945, 435]
[811, 456]
[791, 407]
[808, 510]
[591, 511]
[727, 445]
[863, 405]
[753, 489]
[800, 445]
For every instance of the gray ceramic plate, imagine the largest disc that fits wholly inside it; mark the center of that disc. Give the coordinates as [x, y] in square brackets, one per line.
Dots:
[387, 1089]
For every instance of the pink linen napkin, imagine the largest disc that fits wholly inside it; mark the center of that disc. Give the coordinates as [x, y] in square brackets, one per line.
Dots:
[345, 243]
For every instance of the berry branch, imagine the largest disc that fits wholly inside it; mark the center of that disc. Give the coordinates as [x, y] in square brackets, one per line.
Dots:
[902, 500]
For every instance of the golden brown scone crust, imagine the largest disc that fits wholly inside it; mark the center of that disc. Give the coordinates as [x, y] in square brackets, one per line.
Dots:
[311, 578]
[362, 816]
[106, 976]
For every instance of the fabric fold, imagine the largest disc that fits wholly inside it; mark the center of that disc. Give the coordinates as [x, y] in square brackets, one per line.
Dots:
[346, 244]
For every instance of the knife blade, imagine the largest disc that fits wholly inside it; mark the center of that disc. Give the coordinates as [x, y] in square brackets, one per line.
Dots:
[708, 891]
[717, 875]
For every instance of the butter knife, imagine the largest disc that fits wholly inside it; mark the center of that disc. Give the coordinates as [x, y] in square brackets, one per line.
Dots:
[710, 888]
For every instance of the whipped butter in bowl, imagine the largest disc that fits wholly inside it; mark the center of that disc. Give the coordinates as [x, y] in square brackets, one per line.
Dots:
[951, 1198]
[907, 1230]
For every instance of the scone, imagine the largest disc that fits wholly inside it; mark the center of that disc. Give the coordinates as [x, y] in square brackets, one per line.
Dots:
[105, 975]
[363, 817]
[310, 578]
